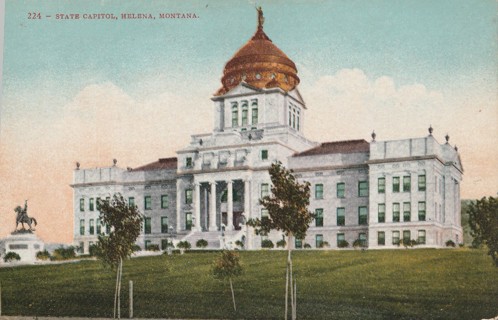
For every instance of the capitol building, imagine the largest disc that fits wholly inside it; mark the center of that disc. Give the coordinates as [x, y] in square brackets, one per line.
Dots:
[379, 193]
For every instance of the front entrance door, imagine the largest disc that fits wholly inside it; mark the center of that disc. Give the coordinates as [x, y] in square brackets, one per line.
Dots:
[224, 218]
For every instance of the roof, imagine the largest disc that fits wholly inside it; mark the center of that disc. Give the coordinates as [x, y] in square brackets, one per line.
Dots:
[347, 146]
[161, 164]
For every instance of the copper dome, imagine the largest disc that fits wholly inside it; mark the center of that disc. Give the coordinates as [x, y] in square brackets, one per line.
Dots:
[260, 64]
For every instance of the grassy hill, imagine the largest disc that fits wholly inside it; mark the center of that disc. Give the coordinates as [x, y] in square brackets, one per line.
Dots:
[383, 284]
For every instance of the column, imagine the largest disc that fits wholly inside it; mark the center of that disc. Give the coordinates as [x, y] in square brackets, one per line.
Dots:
[197, 207]
[212, 208]
[229, 205]
[247, 199]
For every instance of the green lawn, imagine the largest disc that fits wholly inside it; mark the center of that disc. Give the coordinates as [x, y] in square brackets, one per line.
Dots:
[401, 284]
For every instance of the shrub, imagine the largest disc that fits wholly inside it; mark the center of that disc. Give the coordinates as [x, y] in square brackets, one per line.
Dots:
[307, 246]
[62, 253]
[136, 248]
[240, 244]
[43, 255]
[184, 245]
[281, 243]
[450, 243]
[11, 256]
[201, 243]
[94, 250]
[267, 243]
[343, 244]
[359, 244]
[153, 247]
[461, 245]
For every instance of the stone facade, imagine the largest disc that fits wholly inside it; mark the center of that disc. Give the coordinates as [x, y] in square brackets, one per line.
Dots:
[374, 193]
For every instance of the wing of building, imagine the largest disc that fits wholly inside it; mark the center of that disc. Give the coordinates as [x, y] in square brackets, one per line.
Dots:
[376, 194]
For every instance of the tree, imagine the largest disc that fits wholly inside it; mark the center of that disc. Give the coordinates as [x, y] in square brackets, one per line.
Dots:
[288, 212]
[125, 224]
[483, 221]
[227, 266]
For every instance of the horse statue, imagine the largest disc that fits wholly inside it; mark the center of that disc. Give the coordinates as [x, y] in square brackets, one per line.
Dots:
[22, 217]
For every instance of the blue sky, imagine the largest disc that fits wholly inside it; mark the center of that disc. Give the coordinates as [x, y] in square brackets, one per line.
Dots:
[91, 90]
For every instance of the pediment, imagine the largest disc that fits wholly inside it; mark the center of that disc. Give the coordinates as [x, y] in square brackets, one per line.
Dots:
[241, 89]
[297, 95]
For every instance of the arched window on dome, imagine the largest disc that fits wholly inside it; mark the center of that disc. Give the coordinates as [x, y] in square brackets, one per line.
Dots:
[235, 115]
[244, 113]
[254, 110]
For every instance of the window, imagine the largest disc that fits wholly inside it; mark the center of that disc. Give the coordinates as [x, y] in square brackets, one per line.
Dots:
[381, 212]
[363, 239]
[164, 201]
[264, 154]
[147, 243]
[319, 240]
[341, 217]
[92, 226]
[244, 114]
[421, 237]
[91, 204]
[395, 184]
[298, 243]
[224, 196]
[421, 211]
[381, 185]
[188, 220]
[164, 224]
[290, 117]
[319, 191]
[421, 182]
[188, 196]
[188, 162]
[395, 212]
[298, 121]
[362, 215]
[319, 217]
[82, 227]
[82, 204]
[381, 238]
[406, 236]
[406, 211]
[254, 113]
[148, 202]
[395, 237]
[264, 190]
[407, 186]
[235, 115]
[264, 214]
[363, 189]
[341, 240]
[148, 225]
[341, 187]
[131, 201]
[99, 226]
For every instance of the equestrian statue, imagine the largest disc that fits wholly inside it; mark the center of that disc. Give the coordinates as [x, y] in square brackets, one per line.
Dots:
[22, 217]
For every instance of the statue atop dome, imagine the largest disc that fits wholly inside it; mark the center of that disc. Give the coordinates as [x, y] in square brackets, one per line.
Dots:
[261, 19]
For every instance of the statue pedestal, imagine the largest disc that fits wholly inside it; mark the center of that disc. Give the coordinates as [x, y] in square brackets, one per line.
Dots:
[26, 245]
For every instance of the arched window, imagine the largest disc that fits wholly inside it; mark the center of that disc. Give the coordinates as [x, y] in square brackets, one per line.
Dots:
[235, 115]
[254, 116]
[244, 113]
